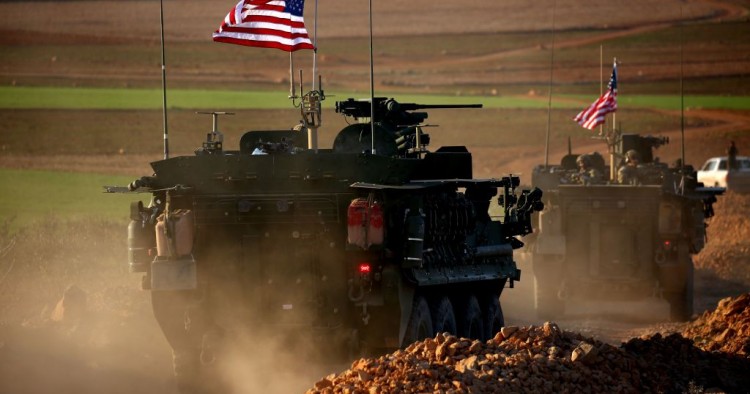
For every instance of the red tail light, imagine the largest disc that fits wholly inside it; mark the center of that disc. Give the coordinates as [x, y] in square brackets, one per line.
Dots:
[364, 268]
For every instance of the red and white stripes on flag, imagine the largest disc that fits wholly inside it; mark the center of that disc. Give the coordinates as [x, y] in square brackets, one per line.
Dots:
[594, 115]
[266, 23]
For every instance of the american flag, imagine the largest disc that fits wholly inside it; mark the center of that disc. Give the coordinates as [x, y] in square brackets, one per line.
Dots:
[594, 115]
[266, 23]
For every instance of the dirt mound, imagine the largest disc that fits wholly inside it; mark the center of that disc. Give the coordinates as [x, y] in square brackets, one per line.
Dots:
[726, 329]
[674, 364]
[727, 252]
[541, 359]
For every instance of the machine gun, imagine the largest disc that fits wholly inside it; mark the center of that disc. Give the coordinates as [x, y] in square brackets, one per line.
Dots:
[644, 145]
[388, 110]
[397, 129]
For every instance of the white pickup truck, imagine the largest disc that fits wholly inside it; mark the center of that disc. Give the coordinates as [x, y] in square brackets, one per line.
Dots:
[715, 173]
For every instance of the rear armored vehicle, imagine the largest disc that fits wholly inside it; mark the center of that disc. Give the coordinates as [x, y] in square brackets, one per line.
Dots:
[625, 235]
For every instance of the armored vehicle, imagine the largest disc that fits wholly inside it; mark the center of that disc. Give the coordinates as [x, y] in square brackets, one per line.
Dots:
[375, 242]
[601, 239]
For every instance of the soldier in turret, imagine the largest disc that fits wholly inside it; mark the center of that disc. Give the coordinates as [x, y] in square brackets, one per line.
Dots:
[587, 172]
[629, 174]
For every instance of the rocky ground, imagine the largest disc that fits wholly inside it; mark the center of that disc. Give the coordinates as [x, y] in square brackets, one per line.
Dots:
[726, 329]
[547, 359]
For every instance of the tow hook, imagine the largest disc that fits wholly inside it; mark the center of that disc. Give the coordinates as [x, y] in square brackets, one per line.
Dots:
[365, 314]
[212, 340]
[356, 293]
[562, 292]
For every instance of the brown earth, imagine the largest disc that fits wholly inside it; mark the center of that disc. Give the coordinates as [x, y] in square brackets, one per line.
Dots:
[115, 346]
[192, 19]
[544, 359]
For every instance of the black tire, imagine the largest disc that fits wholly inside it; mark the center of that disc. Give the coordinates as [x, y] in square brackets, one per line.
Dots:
[187, 370]
[420, 322]
[548, 274]
[169, 310]
[470, 321]
[681, 303]
[546, 302]
[443, 317]
[493, 316]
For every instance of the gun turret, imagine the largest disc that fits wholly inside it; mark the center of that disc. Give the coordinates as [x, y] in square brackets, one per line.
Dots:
[391, 111]
[644, 145]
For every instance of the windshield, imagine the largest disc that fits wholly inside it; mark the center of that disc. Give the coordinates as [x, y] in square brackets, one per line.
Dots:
[709, 166]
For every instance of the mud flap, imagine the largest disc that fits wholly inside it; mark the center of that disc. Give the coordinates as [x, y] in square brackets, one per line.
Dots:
[406, 301]
[550, 244]
[169, 274]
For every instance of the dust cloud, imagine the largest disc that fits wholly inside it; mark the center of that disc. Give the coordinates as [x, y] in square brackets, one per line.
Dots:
[269, 365]
[110, 342]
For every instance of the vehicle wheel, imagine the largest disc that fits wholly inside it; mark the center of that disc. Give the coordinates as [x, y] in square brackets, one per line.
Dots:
[493, 316]
[549, 272]
[443, 318]
[170, 308]
[187, 368]
[470, 322]
[420, 322]
[546, 302]
[681, 302]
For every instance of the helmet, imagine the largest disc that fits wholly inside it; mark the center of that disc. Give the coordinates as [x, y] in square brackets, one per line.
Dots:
[583, 160]
[632, 155]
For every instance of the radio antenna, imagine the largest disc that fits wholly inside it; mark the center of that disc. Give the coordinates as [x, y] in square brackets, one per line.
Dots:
[372, 89]
[163, 80]
[549, 101]
[315, 46]
[682, 101]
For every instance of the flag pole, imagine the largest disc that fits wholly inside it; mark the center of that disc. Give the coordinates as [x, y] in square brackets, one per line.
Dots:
[372, 88]
[549, 100]
[614, 114]
[163, 80]
[292, 93]
[601, 80]
[315, 46]
[613, 140]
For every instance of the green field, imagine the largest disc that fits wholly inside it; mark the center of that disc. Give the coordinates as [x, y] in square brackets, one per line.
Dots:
[132, 99]
[27, 196]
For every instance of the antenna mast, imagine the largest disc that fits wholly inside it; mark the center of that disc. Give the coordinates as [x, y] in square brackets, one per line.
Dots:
[549, 102]
[163, 80]
[315, 46]
[682, 103]
[372, 89]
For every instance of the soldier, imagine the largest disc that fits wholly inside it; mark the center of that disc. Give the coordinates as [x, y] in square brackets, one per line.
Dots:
[732, 156]
[629, 174]
[587, 173]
